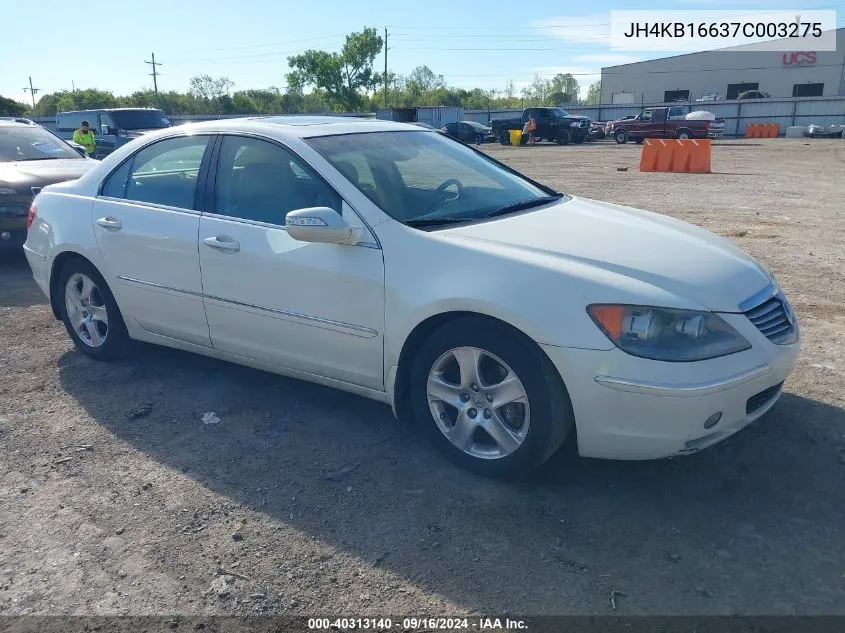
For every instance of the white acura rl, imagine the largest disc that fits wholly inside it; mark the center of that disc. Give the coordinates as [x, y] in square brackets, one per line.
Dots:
[401, 265]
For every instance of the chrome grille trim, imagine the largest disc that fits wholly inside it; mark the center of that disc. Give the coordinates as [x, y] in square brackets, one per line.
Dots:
[771, 315]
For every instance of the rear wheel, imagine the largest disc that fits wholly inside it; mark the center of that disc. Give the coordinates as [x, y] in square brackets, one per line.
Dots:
[90, 313]
[621, 136]
[683, 134]
[489, 399]
[563, 137]
[505, 137]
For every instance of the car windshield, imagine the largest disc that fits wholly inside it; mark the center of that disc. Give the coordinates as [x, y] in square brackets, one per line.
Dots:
[423, 177]
[559, 112]
[30, 142]
[140, 119]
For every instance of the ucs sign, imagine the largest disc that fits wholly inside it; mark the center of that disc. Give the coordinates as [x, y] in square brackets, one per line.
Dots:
[799, 59]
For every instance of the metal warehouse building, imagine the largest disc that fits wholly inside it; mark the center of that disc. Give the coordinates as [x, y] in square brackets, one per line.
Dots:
[728, 72]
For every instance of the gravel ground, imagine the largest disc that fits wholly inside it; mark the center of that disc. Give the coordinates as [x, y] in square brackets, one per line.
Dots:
[116, 499]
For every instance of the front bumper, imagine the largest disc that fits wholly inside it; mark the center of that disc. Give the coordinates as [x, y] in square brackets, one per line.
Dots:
[632, 408]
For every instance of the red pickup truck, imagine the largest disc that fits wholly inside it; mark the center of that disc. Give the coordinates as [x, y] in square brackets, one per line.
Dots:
[663, 123]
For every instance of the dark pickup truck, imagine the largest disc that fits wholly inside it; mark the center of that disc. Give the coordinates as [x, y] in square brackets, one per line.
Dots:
[663, 122]
[553, 124]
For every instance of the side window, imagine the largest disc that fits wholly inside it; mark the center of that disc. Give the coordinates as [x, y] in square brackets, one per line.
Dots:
[257, 180]
[106, 119]
[166, 172]
[71, 122]
[115, 185]
[646, 115]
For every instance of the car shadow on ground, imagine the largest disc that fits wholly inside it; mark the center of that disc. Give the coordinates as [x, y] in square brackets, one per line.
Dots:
[733, 525]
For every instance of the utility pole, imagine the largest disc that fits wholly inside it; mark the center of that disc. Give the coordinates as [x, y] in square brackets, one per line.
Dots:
[385, 68]
[154, 74]
[32, 92]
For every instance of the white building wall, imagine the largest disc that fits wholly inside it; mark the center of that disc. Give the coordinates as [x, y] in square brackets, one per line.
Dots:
[712, 71]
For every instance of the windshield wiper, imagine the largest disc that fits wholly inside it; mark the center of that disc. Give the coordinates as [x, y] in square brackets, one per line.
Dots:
[525, 204]
[421, 224]
[23, 160]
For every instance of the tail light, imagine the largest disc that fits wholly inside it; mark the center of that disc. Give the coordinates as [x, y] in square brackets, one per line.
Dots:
[30, 217]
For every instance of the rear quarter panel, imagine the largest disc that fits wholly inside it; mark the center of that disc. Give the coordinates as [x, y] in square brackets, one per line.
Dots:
[63, 223]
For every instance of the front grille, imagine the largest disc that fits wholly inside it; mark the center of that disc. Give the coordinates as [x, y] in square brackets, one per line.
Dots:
[761, 399]
[774, 319]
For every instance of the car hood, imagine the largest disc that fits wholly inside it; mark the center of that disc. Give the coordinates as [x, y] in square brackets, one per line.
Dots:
[22, 175]
[677, 257]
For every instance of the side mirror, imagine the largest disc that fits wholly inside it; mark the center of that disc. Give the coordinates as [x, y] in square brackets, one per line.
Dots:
[320, 224]
[80, 150]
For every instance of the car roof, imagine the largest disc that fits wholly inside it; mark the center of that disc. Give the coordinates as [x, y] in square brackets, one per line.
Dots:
[105, 110]
[303, 126]
[13, 123]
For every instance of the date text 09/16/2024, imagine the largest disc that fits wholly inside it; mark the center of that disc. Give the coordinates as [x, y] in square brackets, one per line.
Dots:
[417, 623]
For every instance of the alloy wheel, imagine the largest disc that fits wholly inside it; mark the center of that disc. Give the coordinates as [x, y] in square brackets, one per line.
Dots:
[86, 310]
[478, 402]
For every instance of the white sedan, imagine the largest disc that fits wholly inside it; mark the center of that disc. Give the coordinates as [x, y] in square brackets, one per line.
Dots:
[393, 262]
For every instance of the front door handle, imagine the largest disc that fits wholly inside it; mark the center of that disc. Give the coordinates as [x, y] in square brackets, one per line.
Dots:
[110, 222]
[223, 245]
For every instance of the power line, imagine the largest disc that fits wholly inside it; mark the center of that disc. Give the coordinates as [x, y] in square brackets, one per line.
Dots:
[154, 74]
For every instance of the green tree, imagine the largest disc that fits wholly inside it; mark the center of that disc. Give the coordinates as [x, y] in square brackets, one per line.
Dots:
[10, 107]
[594, 93]
[340, 76]
[562, 89]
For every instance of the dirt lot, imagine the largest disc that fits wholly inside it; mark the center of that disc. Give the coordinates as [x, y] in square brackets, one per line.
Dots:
[116, 499]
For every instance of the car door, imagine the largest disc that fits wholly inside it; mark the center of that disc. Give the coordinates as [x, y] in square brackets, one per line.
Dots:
[146, 227]
[545, 123]
[316, 308]
[106, 135]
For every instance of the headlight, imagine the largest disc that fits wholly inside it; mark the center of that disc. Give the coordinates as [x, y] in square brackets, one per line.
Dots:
[667, 334]
[5, 191]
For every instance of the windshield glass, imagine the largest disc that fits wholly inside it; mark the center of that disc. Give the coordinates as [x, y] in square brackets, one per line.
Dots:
[424, 176]
[559, 112]
[140, 119]
[32, 142]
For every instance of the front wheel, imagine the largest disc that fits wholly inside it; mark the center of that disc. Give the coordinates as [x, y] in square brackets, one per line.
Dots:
[491, 401]
[505, 137]
[563, 137]
[621, 136]
[90, 313]
[578, 139]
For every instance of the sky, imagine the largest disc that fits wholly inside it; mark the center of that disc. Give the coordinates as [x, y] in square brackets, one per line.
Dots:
[104, 44]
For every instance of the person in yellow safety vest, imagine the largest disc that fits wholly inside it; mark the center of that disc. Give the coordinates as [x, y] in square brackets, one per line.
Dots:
[85, 136]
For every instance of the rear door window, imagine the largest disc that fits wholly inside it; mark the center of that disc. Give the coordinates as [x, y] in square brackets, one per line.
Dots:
[163, 173]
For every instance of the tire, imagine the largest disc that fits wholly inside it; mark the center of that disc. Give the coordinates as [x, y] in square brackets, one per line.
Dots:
[621, 136]
[683, 133]
[103, 338]
[563, 137]
[505, 137]
[533, 433]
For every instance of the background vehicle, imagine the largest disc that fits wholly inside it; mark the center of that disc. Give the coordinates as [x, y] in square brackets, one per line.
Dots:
[113, 127]
[30, 158]
[713, 96]
[469, 131]
[664, 122]
[553, 124]
[597, 130]
[754, 94]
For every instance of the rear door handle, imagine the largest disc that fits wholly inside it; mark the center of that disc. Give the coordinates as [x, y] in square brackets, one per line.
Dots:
[223, 245]
[110, 222]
